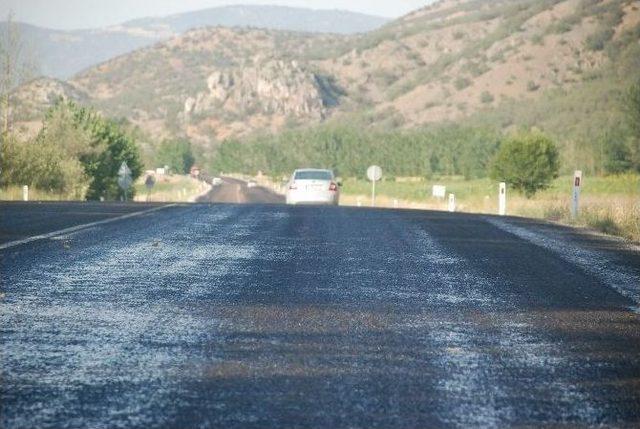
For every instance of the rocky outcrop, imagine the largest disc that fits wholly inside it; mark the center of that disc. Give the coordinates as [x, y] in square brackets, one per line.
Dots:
[269, 87]
[35, 97]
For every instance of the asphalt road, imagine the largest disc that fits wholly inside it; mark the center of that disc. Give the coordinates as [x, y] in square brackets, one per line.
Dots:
[19, 220]
[235, 191]
[272, 316]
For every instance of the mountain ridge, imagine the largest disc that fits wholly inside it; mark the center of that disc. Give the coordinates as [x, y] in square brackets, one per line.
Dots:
[446, 62]
[63, 53]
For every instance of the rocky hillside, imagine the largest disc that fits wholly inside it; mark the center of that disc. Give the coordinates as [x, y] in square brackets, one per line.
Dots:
[61, 54]
[452, 60]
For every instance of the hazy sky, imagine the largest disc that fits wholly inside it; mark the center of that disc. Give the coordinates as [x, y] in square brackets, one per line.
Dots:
[72, 14]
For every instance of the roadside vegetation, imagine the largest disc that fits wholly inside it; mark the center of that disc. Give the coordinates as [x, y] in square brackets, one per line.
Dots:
[76, 154]
[464, 158]
[170, 188]
[609, 204]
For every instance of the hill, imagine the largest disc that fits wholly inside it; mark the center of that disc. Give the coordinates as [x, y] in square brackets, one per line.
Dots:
[61, 54]
[556, 64]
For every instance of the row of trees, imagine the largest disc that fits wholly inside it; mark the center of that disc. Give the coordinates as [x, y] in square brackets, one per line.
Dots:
[349, 150]
[76, 153]
[622, 149]
[177, 154]
[527, 160]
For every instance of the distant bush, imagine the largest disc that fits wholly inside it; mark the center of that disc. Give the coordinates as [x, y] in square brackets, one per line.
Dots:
[537, 39]
[461, 83]
[528, 162]
[564, 25]
[598, 40]
[532, 86]
[458, 35]
[486, 97]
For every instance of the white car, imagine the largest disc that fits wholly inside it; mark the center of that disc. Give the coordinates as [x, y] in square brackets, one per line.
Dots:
[313, 186]
[216, 181]
[251, 184]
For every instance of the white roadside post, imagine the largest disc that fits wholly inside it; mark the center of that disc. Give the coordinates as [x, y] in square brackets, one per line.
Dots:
[374, 173]
[577, 184]
[25, 193]
[502, 199]
[452, 203]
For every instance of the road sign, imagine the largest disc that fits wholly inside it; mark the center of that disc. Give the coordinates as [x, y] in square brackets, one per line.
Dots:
[439, 191]
[124, 178]
[577, 184]
[374, 173]
[502, 199]
[124, 169]
[125, 182]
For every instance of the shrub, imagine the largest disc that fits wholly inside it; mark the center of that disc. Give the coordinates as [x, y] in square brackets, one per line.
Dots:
[486, 97]
[598, 40]
[532, 86]
[528, 162]
[537, 39]
[461, 83]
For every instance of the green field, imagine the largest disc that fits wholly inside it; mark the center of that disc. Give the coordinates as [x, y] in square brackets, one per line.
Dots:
[176, 188]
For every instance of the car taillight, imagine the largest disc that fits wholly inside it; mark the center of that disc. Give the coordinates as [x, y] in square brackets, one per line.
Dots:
[333, 187]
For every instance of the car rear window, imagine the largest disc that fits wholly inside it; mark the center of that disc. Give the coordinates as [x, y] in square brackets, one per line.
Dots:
[313, 175]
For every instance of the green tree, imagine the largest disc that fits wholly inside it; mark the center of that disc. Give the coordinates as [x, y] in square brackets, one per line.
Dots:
[633, 114]
[103, 167]
[177, 154]
[528, 162]
[99, 145]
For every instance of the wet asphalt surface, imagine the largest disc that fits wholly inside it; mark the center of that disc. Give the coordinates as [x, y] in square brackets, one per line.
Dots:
[220, 315]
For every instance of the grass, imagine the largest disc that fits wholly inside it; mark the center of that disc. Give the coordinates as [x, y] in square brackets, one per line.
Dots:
[608, 204]
[14, 193]
[174, 188]
[170, 188]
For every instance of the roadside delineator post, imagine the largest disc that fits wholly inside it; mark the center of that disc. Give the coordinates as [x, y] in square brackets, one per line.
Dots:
[25, 193]
[502, 199]
[575, 203]
[395, 203]
[452, 203]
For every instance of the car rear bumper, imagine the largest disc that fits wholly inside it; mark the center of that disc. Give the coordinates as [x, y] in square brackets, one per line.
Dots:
[328, 199]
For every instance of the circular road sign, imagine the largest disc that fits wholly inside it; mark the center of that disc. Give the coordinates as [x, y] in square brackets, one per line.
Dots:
[374, 173]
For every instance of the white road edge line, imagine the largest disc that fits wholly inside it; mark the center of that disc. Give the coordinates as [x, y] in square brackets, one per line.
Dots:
[80, 227]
